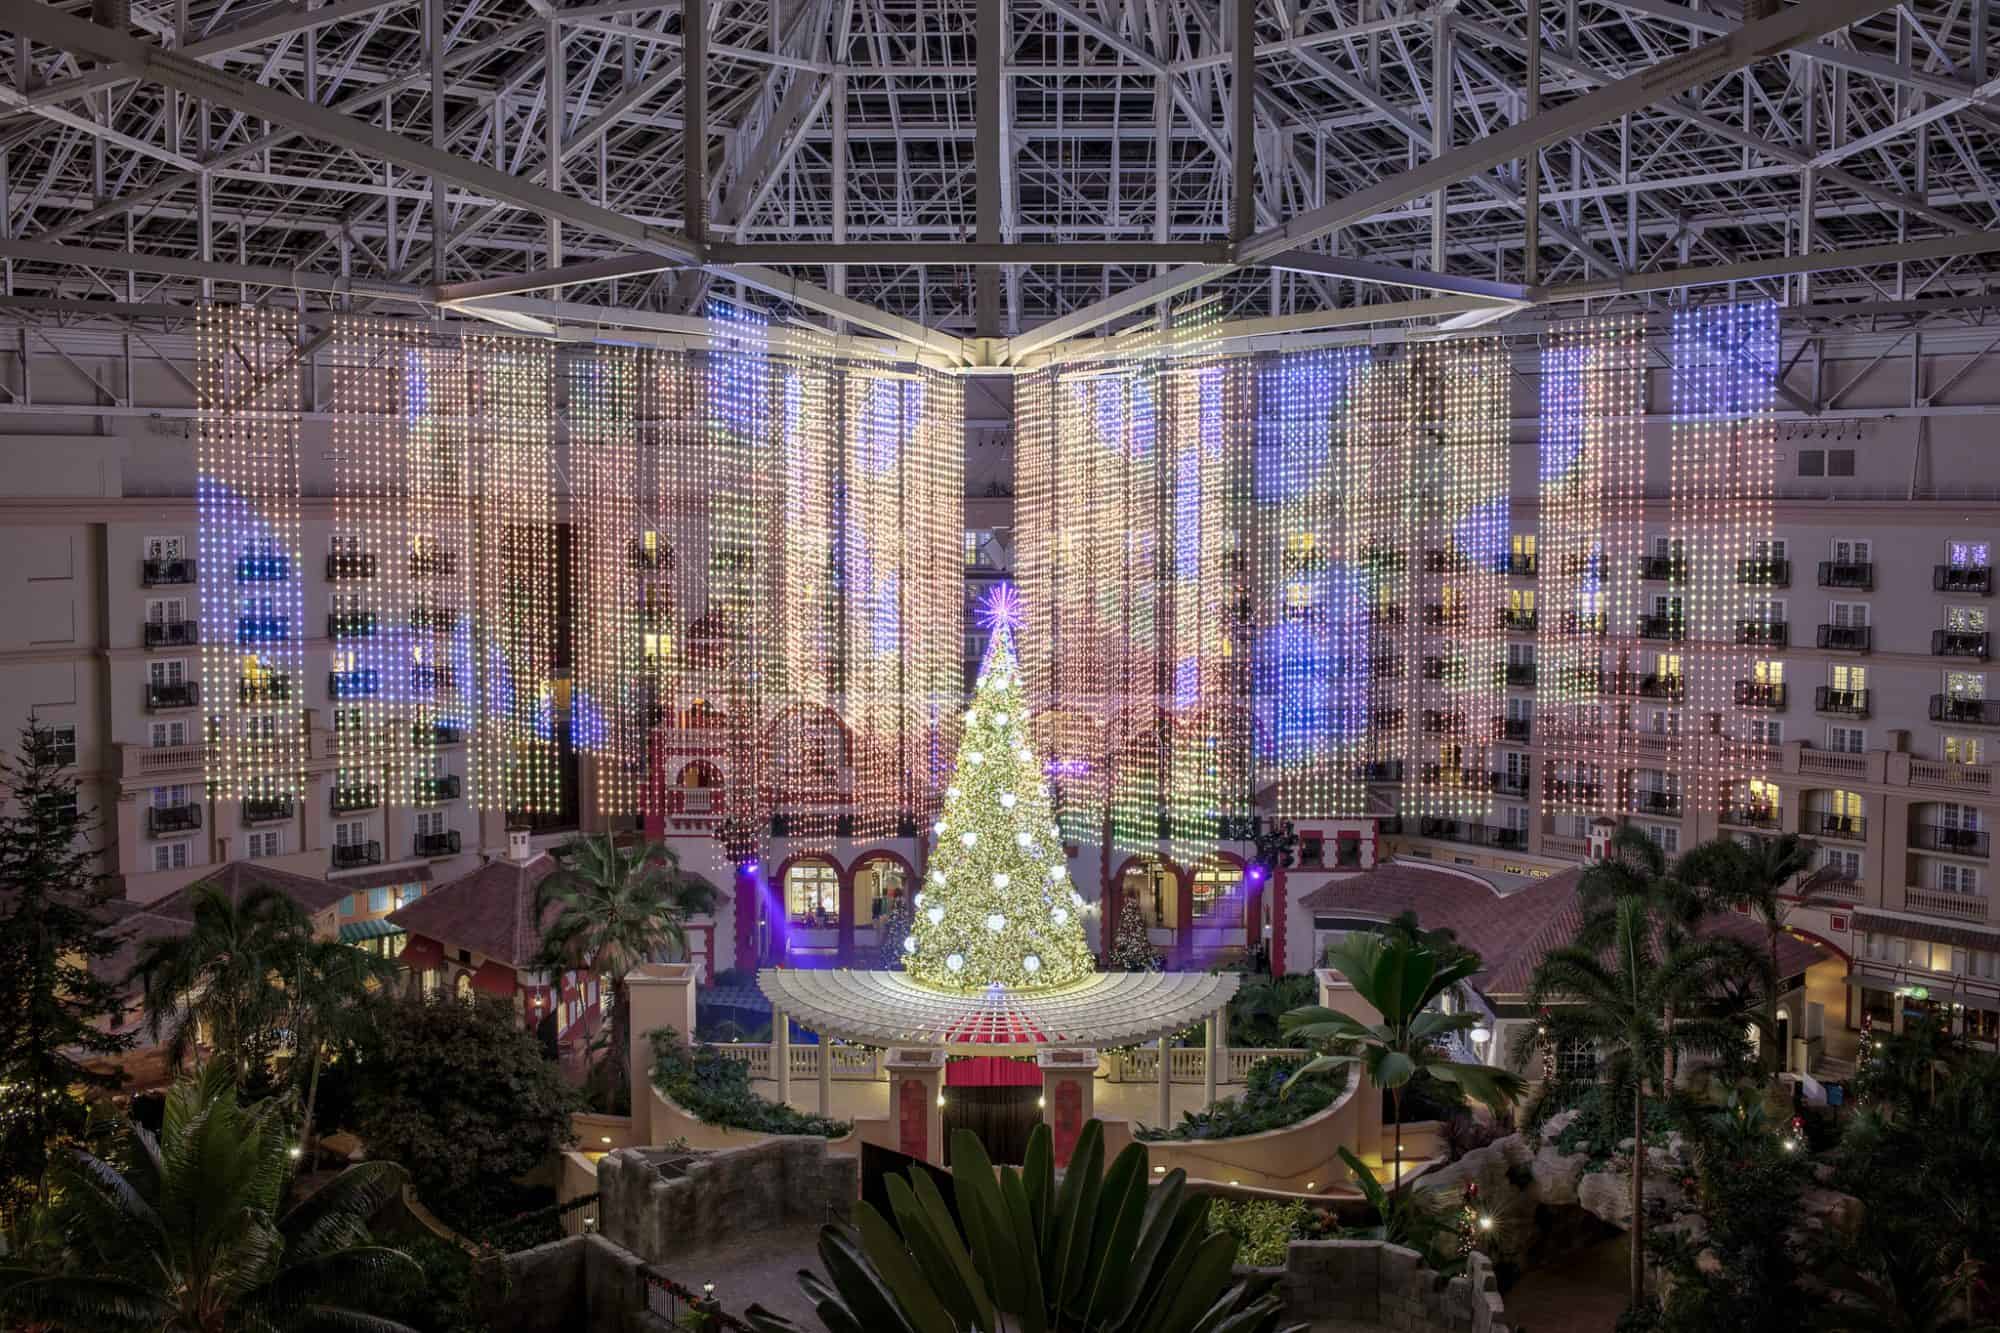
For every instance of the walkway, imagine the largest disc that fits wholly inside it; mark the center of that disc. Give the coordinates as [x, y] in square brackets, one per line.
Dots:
[1114, 1101]
[761, 1270]
[1581, 1293]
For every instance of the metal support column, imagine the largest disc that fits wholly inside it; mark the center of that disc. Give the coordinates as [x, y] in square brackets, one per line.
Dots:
[694, 114]
[989, 47]
[1243, 121]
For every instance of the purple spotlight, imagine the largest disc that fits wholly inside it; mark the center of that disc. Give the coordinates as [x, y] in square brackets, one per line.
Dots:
[1256, 874]
[749, 867]
[1000, 608]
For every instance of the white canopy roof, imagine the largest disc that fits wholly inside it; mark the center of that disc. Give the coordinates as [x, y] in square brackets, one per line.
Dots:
[887, 1008]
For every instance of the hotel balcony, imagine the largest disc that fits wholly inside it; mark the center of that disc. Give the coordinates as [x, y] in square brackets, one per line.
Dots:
[655, 557]
[1385, 561]
[1662, 627]
[1652, 801]
[1849, 828]
[1672, 688]
[429, 679]
[1515, 621]
[1521, 675]
[434, 619]
[347, 800]
[433, 791]
[1568, 791]
[1381, 770]
[355, 855]
[433, 564]
[1438, 561]
[1976, 712]
[1939, 902]
[274, 688]
[173, 633]
[1850, 703]
[263, 567]
[156, 573]
[350, 625]
[437, 733]
[1576, 622]
[267, 809]
[1443, 668]
[1436, 613]
[167, 698]
[252, 630]
[1760, 694]
[1951, 841]
[1479, 835]
[1763, 633]
[1385, 719]
[1521, 566]
[1387, 666]
[165, 820]
[344, 567]
[1752, 816]
[1437, 722]
[1974, 579]
[1961, 643]
[1511, 784]
[1856, 575]
[1389, 614]
[1764, 573]
[1663, 568]
[1514, 729]
[437, 844]
[1584, 680]
[361, 683]
[1846, 638]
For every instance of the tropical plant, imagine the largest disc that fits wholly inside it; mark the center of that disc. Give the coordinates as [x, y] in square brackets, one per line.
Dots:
[1618, 998]
[1103, 1252]
[716, 1090]
[220, 983]
[1263, 1105]
[1262, 1227]
[1415, 1219]
[615, 908]
[1402, 981]
[1258, 1009]
[1902, 1282]
[56, 1010]
[327, 986]
[192, 1235]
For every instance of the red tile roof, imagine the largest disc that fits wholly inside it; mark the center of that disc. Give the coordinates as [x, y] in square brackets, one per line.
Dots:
[488, 911]
[238, 878]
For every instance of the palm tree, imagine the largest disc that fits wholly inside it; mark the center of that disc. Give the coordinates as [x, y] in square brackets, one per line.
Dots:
[1617, 997]
[224, 976]
[189, 1238]
[327, 986]
[1402, 980]
[617, 907]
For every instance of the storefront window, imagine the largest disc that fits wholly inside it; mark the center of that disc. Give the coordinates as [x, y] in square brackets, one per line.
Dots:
[812, 894]
[878, 887]
[1157, 892]
[1218, 896]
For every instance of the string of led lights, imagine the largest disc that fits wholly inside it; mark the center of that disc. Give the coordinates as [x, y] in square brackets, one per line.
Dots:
[367, 612]
[1375, 472]
[608, 560]
[252, 601]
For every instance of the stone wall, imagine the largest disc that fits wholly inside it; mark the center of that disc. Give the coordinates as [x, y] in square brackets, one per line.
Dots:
[1370, 1284]
[661, 1205]
[583, 1284]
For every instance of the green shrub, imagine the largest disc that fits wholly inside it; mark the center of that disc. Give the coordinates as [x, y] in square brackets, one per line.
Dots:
[1604, 1120]
[1263, 1105]
[1262, 1227]
[716, 1091]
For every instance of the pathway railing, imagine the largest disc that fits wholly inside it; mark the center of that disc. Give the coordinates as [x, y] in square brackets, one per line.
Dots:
[863, 1064]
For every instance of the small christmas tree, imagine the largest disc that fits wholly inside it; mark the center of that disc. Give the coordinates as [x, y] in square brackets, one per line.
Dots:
[997, 904]
[891, 931]
[1131, 948]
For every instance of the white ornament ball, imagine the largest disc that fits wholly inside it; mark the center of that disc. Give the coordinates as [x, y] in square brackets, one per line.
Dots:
[974, 757]
[956, 962]
[1060, 916]
[938, 875]
[936, 914]
[996, 923]
[1077, 897]
[1031, 964]
[938, 828]
[968, 838]
[971, 715]
[1055, 873]
[919, 898]
[909, 944]
[999, 719]
[1023, 839]
[1008, 800]
[952, 791]
[1001, 880]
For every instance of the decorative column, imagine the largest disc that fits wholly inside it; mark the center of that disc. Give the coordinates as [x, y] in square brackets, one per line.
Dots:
[781, 1054]
[1166, 1119]
[825, 1075]
[746, 916]
[1277, 892]
[1069, 1086]
[916, 1101]
[661, 995]
[1209, 1059]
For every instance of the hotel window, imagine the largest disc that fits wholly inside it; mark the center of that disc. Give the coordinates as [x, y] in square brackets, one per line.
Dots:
[166, 798]
[1848, 615]
[430, 823]
[378, 900]
[350, 833]
[1965, 619]
[170, 855]
[62, 742]
[812, 893]
[1968, 555]
[1522, 547]
[1851, 679]
[1771, 550]
[1957, 879]
[165, 548]
[268, 843]
[1843, 863]
[1666, 837]
[1852, 551]
[408, 894]
[1952, 815]
[166, 610]
[166, 671]
[1964, 750]
[1766, 672]
[1767, 731]
[1218, 896]
[260, 726]
[1964, 685]
[1847, 740]
[164, 735]
[346, 720]
[1521, 601]
[1664, 721]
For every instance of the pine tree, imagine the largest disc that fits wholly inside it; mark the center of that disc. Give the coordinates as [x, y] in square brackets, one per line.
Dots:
[53, 1007]
[891, 931]
[1131, 947]
[997, 904]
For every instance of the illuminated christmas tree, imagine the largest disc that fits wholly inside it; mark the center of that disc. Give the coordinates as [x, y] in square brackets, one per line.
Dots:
[997, 904]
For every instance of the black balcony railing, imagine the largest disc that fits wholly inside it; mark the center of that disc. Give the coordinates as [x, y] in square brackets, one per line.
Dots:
[1479, 835]
[1663, 568]
[1760, 694]
[1858, 574]
[429, 679]
[1387, 613]
[1662, 687]
[350, 625]
[430, 791]
[1662, 627]
[1578, 622]
[1388, 666]
[1519, 674]
[362, 796]
[437, 733]
[164, 819]
[345, 565]
[1978, 712]
[263, 567]
[1439, 722]
[1752, 816]
[1511, 784]
[1443, 668]
[1385, 560]
[1568, 790]
[354, 855]
[438, 844]
[1763, 633]
[273, 688]
[1436, 613]
[1651, 801]
[1961, 643]
[1851, 828]
[1381, 770]
[1956, 841]
[1521, 566]
[1515, 729]
[1584, 680]
[1848, 703]
[1517, 621]
[172, 633]
[1385, 719]
[654, 557]
[180, 694]
[1846, 638]
[1764, 573]
[267, 809]
[434, 619]
[433, 564]
[1974, 579]
[159, 573]
[251, 630]
[360, 683]
[1438, 561]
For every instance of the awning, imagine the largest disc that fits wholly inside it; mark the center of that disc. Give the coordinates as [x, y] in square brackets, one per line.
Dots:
[1965, 937]
[495, 978]
[422, 954]
[1934, 988]
[887, 1008]
[353, 932]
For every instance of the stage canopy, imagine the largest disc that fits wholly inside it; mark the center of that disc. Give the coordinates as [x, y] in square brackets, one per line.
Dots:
[887, 1008]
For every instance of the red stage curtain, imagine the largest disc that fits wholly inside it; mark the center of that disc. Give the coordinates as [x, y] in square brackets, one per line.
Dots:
[992, 1071]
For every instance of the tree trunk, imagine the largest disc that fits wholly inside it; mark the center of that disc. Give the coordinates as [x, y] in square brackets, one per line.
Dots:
[1777, 1056]
[1396, 1171]
[1638, 1232]
[1667, 1063]
[618, 1071]
[312, 1098]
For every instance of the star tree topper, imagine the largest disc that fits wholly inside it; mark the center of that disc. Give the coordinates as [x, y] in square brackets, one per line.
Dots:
[997, 904]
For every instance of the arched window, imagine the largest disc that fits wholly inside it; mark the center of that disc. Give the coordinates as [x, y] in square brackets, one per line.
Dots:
[462, 986]
[1153, 884]
[812, 894]
[1218, 896]
[880, 883]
